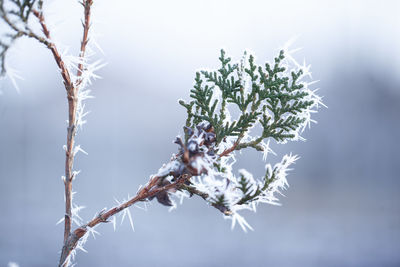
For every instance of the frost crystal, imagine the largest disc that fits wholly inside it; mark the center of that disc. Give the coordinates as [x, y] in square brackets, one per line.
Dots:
[125, 213]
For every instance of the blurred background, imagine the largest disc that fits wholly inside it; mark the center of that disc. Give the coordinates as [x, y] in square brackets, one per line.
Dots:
[342, 207]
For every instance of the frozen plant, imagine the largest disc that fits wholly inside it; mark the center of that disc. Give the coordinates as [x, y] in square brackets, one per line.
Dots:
[238, 106]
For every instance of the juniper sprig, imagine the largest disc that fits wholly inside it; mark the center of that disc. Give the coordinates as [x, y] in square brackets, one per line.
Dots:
[273, 97]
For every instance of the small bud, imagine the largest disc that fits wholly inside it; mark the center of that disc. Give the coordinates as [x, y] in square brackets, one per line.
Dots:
[163, 198]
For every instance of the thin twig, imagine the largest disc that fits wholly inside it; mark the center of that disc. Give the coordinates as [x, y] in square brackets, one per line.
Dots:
[229, 150]
[146, 192]
[72, 92]
[86, 25]
[57, 57]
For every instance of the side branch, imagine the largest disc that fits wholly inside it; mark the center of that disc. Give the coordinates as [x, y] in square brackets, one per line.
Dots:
[146, 192]
[86, 25]
[229, 150]
[57, 57]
